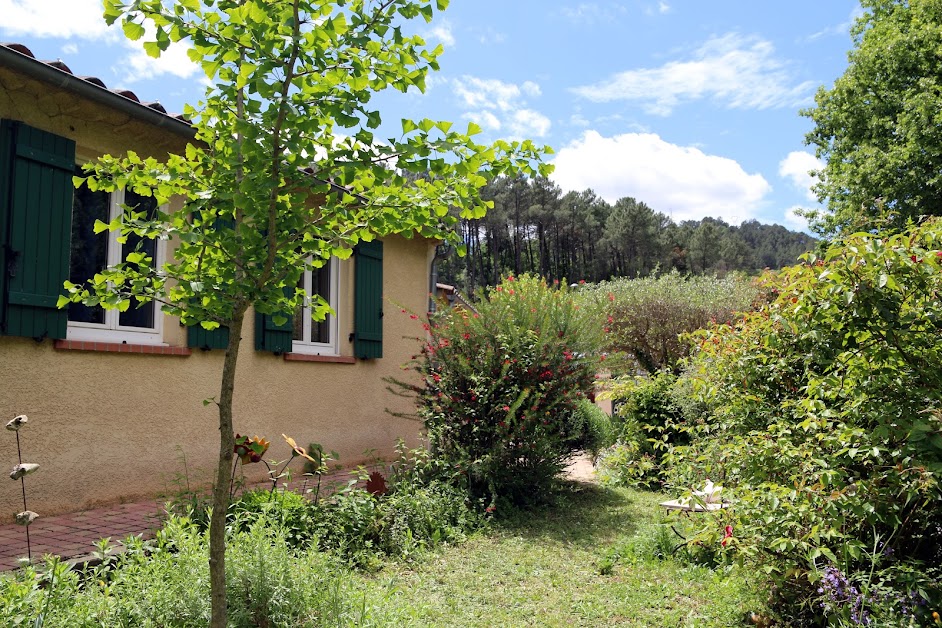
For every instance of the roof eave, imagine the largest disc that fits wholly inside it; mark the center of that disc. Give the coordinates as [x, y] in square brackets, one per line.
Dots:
[86, 89]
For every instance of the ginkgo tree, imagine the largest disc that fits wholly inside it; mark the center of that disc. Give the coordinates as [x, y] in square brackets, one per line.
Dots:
[285, 170]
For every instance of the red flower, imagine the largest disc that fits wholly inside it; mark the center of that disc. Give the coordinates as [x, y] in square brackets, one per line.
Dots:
[414, 317]
[506, 409]
[727, 534]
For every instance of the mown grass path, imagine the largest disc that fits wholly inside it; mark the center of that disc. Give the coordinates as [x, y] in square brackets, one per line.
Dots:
[543, 568]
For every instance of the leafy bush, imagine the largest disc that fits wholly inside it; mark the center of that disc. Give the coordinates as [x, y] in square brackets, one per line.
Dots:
[283, 509]
[500, 386]
[598, 430]
[166, 583]
[646, 316]
[826, 411]
[648, 421]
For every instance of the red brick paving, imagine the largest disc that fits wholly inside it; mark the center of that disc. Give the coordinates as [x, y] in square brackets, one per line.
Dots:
[75, 534]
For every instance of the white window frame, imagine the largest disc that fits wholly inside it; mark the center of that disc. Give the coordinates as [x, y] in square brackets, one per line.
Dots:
[111, 330]
[305, 345]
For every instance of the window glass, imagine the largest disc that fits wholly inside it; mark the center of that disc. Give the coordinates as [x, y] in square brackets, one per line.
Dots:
[138, 315]
[89, 253]
[92, 252]
[308, 334]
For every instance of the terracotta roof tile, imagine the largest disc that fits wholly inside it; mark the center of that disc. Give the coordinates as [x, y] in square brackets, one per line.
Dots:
[94, 80]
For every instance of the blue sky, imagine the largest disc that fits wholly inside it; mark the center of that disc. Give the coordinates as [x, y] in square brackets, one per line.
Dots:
[688, 105]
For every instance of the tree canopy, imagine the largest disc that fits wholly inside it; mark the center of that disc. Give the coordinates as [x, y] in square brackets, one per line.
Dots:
[535, 227]
[286, 170]
[879, 128]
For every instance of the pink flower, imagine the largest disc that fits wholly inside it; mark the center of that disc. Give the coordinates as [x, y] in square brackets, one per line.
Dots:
[506, 408]
[727, 535]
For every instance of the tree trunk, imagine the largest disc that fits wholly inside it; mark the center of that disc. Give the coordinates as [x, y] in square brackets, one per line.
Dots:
[217, 524]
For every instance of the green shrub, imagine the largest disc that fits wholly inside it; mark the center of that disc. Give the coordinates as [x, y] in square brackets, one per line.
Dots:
[286, 510]
[646, 316]
[648, 422]
[826, 411]
[598, 430]
[499, 387]
[167, 584]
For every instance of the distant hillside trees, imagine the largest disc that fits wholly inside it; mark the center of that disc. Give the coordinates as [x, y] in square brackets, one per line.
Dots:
[535, 227]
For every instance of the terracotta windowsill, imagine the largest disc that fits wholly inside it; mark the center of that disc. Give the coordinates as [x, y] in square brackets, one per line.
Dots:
[115, 347]
[332, 359]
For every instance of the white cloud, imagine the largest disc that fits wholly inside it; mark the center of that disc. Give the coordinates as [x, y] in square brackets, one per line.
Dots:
[139, 66]
[735, 71]
[497, 105]
[838, 29]
[490, 36]
[663, 7]
[796, 167]
[528, 123]
[680, 181]
[442, 32]
[70, 49]
[531, 89]
[592, 12]
[794, 221]
[577, 119]
[485, 119]
[487, 93]
[54, 18]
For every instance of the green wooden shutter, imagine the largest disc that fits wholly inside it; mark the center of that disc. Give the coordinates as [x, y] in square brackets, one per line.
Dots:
[37, 212]
[368, 300]
[199, 338]
[272, 337]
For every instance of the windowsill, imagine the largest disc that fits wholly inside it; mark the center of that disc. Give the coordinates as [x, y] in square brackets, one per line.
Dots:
[331, 359]
[114, 347]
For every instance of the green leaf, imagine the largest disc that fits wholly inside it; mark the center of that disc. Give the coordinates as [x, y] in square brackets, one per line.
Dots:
[152, 48]
[473, 128]
[132, 30]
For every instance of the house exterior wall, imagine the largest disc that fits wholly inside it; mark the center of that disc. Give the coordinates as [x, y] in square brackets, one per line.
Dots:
[108, 427]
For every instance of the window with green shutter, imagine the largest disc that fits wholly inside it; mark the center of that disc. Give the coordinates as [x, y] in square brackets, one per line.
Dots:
[36, 170]
[368, 300]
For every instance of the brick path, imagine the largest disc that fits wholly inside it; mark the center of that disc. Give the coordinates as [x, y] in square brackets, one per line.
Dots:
[75, 534]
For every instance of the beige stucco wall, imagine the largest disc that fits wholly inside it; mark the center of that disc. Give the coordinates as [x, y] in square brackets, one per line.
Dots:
[110, 427]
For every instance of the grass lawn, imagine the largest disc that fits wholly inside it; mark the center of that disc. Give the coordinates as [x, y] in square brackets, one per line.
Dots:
[544, 568]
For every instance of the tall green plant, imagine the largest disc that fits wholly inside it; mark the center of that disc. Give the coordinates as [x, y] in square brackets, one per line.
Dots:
[646, 316]
[500, 386]
[285, 171]
[826, 415]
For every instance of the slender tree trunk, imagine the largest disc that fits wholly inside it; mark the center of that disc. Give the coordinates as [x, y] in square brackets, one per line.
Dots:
[217, 524]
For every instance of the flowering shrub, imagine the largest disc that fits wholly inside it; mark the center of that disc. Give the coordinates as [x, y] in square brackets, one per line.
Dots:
[824, 416]
[501, 385]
